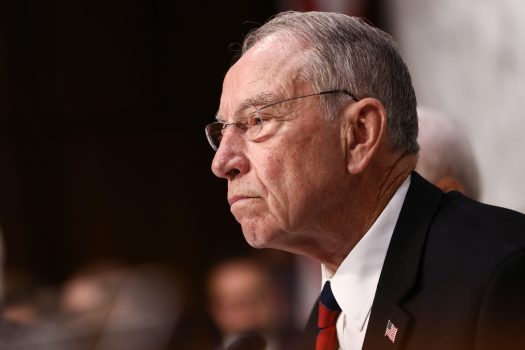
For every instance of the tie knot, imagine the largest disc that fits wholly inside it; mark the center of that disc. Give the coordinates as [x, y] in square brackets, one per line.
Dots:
[327, 298]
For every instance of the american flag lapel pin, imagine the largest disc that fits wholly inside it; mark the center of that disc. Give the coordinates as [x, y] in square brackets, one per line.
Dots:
[391, 331]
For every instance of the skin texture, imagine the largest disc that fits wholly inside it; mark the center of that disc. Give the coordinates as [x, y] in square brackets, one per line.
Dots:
[311, 186]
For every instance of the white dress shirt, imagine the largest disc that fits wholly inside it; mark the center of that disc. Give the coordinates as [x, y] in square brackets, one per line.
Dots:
[354, 283]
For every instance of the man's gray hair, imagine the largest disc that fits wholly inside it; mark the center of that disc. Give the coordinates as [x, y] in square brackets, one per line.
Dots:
[445, 151]
[344, 52]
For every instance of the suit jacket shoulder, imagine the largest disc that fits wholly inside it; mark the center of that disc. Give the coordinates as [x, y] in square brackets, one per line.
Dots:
[452, 277]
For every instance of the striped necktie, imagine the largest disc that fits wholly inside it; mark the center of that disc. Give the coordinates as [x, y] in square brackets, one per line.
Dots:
[329, 311]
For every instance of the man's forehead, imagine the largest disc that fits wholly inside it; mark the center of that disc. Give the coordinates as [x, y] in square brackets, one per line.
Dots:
[268, 71]
[271, 55]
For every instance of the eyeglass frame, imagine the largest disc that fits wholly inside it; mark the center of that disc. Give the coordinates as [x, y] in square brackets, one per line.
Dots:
[207, 128]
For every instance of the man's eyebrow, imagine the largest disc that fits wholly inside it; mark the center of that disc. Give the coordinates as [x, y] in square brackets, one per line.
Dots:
[262, 98]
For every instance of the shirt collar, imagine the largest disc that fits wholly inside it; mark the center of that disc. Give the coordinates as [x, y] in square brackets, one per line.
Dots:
[355, 282]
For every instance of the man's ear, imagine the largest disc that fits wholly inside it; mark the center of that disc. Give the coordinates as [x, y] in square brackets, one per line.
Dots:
[364, 126]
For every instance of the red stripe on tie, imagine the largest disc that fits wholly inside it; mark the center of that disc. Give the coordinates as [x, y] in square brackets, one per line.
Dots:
[326, 329]
[327, 317]
[327, 339]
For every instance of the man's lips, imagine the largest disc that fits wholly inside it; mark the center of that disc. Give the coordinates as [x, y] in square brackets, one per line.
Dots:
[237, 198]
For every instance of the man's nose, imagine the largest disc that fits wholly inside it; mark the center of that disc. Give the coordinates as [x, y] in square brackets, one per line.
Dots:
[230, 160]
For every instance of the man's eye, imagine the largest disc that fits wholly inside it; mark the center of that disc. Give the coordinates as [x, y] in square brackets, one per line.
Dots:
[254, 120]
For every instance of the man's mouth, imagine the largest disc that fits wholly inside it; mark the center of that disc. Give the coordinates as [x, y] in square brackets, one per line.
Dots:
[237, 198]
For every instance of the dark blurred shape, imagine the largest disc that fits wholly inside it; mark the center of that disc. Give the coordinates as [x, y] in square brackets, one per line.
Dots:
[106, 305]
[102, 104]
[42, 336]
[129, 308]
[248, 341]
[30, 307]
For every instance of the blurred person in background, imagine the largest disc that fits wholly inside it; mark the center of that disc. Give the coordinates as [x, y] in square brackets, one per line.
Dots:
[305, 289]
[316, 135]
[248, 305]
[27, 311]
[446, 157]
[26, 302]
[106, 306]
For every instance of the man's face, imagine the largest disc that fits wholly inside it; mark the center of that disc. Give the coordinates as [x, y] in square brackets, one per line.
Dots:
[284, 186]
[243, 299]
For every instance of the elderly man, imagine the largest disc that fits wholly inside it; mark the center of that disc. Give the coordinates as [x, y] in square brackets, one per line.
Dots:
[316, 136]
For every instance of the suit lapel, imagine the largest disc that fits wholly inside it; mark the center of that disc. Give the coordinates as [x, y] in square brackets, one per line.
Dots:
[401, 265]
[386, 315]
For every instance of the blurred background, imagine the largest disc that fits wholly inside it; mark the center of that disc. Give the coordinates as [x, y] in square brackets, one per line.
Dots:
[104, 163]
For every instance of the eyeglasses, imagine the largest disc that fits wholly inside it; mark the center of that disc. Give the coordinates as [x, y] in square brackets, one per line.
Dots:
[252, 127]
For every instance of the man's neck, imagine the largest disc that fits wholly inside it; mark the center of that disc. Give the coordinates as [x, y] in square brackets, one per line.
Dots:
[374, 190]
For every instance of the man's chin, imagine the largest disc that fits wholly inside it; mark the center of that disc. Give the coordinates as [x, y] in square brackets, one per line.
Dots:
[258, 238]
[254, 239]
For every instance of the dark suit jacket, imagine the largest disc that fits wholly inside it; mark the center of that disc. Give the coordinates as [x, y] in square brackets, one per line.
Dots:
[453, 277]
